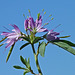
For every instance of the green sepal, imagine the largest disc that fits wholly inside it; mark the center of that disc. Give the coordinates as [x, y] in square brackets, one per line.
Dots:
[42, 48]
[67, 45]
[24, 45]
[38, 15]
[19, 67]
[26, 38]
[36, 39]
[3, 39]
[10, 51]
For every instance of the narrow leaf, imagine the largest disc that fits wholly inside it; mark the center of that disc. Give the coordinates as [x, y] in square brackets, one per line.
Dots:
[10, 51]
[64, 36]
[65, 41]
[22, 60]
[3, 39]
[26, 71]
[19, 67]
[65, 46]
[1, 45]
[42, 49]
[28, 63]
[24, 45]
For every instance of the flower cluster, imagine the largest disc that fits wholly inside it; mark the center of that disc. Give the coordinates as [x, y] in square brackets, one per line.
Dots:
[31, 26]
[34, 26]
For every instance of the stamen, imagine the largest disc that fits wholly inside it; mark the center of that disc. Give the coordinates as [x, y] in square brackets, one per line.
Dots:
[24, 16]
[29, 12]
[47, 19]
[61, 31]
[43, 15]
[27, 16]
[42, 11]
[4, 51]
[56, 26]
[7, 29]
[50, 19]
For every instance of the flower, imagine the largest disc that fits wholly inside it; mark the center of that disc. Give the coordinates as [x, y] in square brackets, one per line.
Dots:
[51, 35]
[13, 36]
[34, 26]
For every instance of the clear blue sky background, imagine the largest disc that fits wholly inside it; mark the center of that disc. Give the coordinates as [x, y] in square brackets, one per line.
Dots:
[56, 61]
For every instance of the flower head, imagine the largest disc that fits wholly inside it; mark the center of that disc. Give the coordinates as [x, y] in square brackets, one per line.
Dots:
[13, 36]
[34, 26]
[51, 35]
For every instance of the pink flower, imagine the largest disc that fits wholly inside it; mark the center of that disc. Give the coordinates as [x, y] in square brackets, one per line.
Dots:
[34, 26]
[51, 35]
[13, 36]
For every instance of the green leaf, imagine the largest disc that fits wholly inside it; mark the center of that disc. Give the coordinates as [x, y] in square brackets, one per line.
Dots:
[28, 63]
[10, 51]
[19, 67]
[1, 45]
[3, 39]
[42, 49]
[65, 41]
[22, 60]
[24, 45]
[26, 71]
[65, 45]
[64, 36]
[37, 39]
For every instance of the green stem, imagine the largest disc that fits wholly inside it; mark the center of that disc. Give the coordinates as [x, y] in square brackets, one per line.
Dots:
[36, 60]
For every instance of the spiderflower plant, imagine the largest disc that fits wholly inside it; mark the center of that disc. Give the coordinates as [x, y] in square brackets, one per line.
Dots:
[33, 27]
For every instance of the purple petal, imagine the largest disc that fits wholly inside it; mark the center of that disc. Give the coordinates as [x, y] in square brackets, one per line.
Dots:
[32, 23]
[5, 33]
[13, 35]
[16, 28]
[52, 35]
[29, 29]
[26, 23]
[10, 43]
[42, 30]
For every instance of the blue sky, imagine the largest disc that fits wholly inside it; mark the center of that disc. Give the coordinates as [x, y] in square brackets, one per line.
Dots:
[56, 61]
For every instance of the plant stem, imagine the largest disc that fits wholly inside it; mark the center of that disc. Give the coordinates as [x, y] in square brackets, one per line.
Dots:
[36, 60]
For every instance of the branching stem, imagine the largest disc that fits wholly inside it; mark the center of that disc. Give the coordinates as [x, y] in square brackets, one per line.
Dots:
[36, 60]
